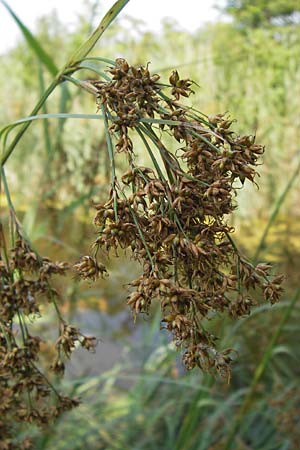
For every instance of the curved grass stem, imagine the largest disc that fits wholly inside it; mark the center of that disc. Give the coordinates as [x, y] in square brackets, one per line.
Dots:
[112, 161]
[26, 125]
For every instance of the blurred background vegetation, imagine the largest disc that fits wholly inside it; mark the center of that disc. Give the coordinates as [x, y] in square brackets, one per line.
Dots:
[135, 394]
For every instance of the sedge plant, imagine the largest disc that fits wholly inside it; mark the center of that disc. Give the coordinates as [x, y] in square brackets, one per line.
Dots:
[171, 216]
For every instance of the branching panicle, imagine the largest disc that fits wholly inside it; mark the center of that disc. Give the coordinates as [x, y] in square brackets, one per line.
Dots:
[26, 286]
[175, 220]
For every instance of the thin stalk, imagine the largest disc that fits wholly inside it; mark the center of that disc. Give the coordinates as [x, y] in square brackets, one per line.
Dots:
[142, 236]
[24, 332]
[14, 218]
[112, 161]
[6, 190]
[3, 245]
[197, 135]
[94, 69]
[53, 116]
[53, 301]
[45, 123]
[153, 159]
[7, 337]
[166, 156]
[148, 130]
[82, 84]
[260, 370]
[238, 273]
[184, 125]
[193, 116]
[21, 327]
[47, 380]
[26, 125]
[233, 244]
[98, 58]
[160, 175]
[139, 230]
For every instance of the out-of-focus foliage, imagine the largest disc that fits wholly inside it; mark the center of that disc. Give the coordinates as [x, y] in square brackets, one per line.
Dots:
[261, 13]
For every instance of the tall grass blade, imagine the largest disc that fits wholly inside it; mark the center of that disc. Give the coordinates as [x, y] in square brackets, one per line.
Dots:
[64, 104]
[88, 45]
[33, 42]
[47, 137]
[27, 120]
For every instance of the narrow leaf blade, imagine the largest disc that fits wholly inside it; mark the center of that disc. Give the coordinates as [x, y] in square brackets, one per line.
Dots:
[88, 45]
[33, 42]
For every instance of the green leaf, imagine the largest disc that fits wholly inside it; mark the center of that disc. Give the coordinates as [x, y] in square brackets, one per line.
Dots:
[49, 116]
[33, 42]
[89, 44]
[96, 70]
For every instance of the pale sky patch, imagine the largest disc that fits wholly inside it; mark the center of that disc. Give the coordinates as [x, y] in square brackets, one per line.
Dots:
[190, 14]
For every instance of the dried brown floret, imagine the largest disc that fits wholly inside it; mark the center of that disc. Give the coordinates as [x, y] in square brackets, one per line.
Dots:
[88, 268]
[25, 392]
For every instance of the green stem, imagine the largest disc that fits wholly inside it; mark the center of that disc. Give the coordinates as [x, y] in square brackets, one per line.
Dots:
[142, 237]
[26, 125]
[202, 138]
[155, 163]
[45, 123]
[3, 244]
[46, 379]
[161, 176]
[112, 160]
[98, 58]
[94, 69]
[6, 190]
[7, 337]
[163, 152]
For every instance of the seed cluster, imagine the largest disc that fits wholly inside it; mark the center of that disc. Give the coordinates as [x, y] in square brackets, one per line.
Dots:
[174, 217]
[26, 393]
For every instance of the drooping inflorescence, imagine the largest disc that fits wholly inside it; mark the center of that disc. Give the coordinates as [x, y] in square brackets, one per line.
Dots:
[174, 216]
[27, 393]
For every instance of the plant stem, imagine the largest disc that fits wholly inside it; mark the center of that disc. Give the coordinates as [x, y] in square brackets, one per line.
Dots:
[26, 125]
[112, 161]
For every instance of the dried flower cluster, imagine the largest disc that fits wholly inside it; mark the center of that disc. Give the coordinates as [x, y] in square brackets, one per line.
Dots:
[26, 393]
[173, 217]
